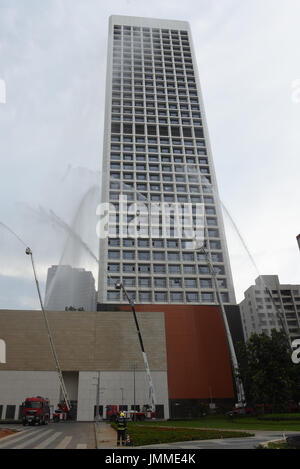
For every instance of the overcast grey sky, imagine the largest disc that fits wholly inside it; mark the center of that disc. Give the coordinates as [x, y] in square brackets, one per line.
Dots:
[53, 59]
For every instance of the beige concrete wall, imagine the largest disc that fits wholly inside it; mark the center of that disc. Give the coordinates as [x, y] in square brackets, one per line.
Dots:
[84, 341]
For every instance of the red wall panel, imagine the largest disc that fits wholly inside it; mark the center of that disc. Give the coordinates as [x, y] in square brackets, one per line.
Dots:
[197, 351]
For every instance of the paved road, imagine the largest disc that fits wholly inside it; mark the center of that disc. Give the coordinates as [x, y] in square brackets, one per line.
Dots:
[62, 435]
[80, 435]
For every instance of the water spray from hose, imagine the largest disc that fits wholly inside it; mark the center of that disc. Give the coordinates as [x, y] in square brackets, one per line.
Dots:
[279, 313]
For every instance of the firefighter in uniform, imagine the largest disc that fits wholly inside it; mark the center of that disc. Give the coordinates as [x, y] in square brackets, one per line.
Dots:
[121, 428]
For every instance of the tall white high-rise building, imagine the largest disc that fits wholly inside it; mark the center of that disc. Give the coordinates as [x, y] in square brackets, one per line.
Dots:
[157, 160]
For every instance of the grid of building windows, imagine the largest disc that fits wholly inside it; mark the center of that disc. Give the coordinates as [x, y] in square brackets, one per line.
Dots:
[270, 305]
[158, 154]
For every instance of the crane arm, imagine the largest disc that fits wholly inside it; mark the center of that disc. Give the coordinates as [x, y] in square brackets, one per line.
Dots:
[58, 369]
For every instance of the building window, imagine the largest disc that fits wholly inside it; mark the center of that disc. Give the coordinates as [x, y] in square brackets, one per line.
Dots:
[144, 255]
[225, 297]
[113, 267]
[10, 412]
[188, 256]
[145, 296]
[128, 267]
[207, 297]
[129, 281]
[159, 268]
[176, 296]
[160, 282]
[113, 295]
[144, 268]
[113, 254]
[205, 283]
[174, 269]
[192, 297]
[144, 282]
[129, 255]
[173, 256]
[128, 243]
[158, 255]
[190, 283]
[189, 269]
[203, 269]
[143, 243]
[175, 283]
[158, 243]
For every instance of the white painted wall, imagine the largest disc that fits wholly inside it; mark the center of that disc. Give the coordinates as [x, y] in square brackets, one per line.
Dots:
[15, 386]
[110, 390]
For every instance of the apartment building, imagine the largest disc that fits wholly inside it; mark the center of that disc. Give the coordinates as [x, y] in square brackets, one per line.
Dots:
[271, 305]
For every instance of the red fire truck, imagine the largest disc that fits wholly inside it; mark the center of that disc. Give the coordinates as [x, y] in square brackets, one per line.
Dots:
[36, 410]
[112, 413]
[61, 413]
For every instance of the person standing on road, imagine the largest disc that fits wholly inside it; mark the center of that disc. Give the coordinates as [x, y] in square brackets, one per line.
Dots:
[121, 428]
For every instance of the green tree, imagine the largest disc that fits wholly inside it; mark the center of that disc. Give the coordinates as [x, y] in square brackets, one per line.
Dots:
[267, 371]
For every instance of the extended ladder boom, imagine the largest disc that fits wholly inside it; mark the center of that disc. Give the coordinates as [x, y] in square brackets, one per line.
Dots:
[58, 369]
[148, 373]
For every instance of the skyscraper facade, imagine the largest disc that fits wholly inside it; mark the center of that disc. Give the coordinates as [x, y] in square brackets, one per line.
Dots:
[271, 305]
[67, 287]
[156, 161]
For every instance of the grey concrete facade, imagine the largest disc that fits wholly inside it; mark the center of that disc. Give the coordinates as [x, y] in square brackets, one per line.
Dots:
[68, 286]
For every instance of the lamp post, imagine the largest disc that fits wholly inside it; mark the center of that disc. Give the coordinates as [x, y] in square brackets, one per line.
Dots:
[122, 390]
[134, 403]
[235, 366]
[98, 392]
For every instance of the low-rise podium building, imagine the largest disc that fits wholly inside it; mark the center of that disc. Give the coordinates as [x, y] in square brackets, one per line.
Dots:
[186, 347]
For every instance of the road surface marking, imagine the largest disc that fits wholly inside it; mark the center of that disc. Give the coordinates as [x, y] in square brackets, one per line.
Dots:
[17, 437]
[49, 440]
[81, 446]
[31, 440]
[64, 443]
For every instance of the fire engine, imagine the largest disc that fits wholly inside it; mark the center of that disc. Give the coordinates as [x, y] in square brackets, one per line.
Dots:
[112, 413]
[62, 412]
[36, 410]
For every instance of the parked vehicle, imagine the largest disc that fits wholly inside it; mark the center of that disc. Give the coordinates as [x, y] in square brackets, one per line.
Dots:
[36, 410]
[61, 413]
[113, 412]
[240, 410]
[145, 414]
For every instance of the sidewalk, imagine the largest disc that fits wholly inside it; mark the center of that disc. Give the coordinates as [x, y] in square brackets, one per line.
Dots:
[106, 436]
